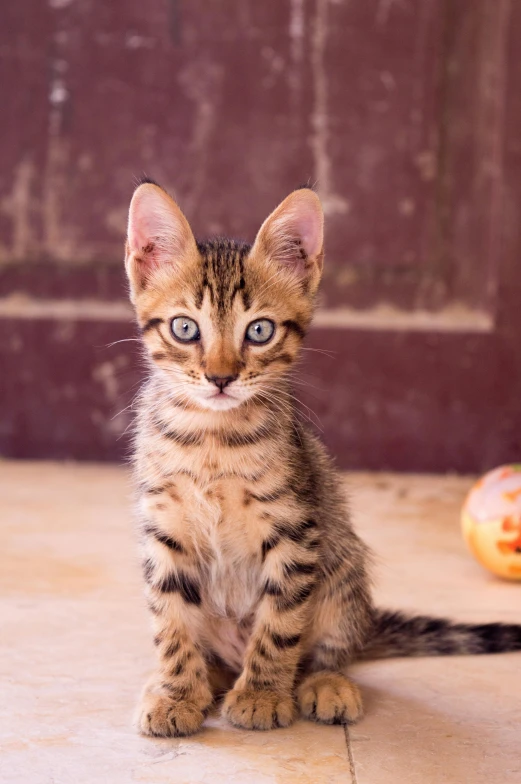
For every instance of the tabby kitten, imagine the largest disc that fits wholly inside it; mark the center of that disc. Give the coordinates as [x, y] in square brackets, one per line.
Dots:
[255, 579]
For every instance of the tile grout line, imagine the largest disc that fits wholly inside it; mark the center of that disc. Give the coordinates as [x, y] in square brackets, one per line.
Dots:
[350, 757]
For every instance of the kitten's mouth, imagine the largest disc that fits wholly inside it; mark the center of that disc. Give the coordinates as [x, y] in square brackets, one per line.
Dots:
[222, 393]
[219, 400]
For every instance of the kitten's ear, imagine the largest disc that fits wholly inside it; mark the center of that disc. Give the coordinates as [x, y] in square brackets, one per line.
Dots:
[158, 235]
[293, 236]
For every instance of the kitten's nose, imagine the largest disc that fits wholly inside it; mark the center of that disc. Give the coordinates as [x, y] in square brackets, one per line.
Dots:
[221, 381]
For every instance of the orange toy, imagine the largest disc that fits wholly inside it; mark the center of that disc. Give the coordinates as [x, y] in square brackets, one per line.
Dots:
[491, 521]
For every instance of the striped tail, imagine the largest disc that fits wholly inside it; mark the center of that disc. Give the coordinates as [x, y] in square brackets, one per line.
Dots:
[397, 634]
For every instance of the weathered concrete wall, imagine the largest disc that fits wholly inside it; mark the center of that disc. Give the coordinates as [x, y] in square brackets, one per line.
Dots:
[401, 114]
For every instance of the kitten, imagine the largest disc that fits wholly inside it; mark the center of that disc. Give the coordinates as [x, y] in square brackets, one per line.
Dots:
[255, 579]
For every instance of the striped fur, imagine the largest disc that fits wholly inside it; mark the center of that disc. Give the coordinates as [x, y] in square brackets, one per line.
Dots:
[256, 582]
[397, 634]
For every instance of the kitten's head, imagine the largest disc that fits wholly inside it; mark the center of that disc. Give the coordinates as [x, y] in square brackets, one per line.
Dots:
[223, 320]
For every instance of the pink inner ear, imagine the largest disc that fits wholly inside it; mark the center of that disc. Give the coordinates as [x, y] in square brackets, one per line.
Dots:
[295, 234]
[141, 233]
[157, 231]
[146, 225]
[308, 226]
[142, 238]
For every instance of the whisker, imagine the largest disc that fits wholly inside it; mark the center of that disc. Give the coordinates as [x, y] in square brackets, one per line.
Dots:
[131, 405]
[326, 352]
[123, 340]
[317, 422]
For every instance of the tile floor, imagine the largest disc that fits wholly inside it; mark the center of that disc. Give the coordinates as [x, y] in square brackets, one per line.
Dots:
[75, 647]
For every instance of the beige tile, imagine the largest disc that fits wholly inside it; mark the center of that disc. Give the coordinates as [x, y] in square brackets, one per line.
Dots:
[439, 721]
[75, 648]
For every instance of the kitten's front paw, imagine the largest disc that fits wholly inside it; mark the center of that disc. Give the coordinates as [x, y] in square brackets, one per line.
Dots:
[162, 716]
[258, 710]
[329, 697]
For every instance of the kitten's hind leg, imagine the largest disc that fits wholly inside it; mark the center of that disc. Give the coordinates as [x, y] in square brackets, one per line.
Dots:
[341, 619]
[330, 698]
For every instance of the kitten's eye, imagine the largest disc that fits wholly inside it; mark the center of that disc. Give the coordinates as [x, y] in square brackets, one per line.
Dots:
[260, 331]
[185, 329]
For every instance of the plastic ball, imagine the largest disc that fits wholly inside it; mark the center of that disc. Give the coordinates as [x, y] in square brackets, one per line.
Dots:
[491, 521]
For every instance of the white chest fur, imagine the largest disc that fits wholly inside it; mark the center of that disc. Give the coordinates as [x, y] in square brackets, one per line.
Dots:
[231, 539]
[232, 571]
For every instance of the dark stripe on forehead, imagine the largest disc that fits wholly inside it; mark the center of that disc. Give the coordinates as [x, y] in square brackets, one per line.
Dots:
[204, 282]
[222, 273]
[241, 287]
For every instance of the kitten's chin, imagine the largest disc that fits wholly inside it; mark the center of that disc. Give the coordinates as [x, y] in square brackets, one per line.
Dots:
[219, 402]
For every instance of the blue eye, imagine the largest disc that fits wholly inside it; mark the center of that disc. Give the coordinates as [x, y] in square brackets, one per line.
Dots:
[185, 329]
[260, 331]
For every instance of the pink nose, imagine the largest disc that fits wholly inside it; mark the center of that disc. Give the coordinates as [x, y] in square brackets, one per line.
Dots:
[221, 381]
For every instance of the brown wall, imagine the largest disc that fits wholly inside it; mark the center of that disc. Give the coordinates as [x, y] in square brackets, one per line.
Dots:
[404, 116]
